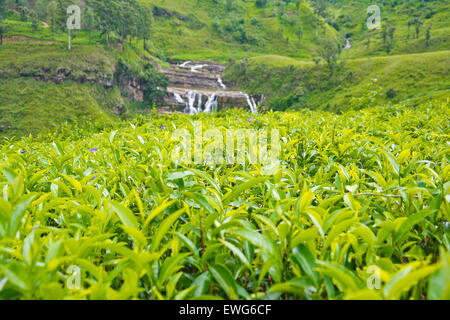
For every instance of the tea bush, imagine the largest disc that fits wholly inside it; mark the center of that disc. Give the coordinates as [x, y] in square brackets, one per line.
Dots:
[359, 197]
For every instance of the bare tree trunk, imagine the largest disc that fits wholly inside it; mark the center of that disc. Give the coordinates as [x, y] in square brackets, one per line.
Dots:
[70, 41]
[122, 40]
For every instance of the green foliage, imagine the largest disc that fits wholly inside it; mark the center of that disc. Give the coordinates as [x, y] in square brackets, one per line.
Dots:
[355, 191]
[288, 82]
[52, 85]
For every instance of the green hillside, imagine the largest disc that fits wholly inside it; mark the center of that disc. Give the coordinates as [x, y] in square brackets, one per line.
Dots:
[291, 83]
[43, 85]
[224, 150]
[208, 30]
[271, 48]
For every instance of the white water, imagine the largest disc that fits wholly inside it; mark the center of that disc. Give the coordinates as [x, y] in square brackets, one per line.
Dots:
[199, 103]
[251, 103]
[194, 68]
[190, 108]
[348, 45]
[178, 98]
[197, 67]
[195, 100]
[211, 104]
[184, 64]
[194, 104]
[219, 80]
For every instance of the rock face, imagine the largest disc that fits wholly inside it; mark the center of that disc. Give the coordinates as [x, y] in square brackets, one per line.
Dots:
[225, 99]
[129, 85]
[197, 86]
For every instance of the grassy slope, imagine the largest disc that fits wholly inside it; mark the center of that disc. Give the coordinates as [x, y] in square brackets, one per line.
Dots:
[193, 36]
[28, 106]
[434, 14]
[189, 34]
[24, 57]
[412, 76]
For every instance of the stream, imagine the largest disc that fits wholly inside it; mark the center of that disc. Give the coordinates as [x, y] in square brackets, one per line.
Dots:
[198, 86]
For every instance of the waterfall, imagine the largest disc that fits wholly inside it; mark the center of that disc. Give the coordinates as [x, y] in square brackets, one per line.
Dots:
[200, 102]
[348, 44]
[219, 80]
[194, 68]
[251, 103]
[178, 97]
[190, 109]
[211, 104]
[198, 66]
[184, 64]
[194, 104]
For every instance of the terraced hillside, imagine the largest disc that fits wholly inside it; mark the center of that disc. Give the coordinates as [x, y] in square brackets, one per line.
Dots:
[272, 50]
[197, 86]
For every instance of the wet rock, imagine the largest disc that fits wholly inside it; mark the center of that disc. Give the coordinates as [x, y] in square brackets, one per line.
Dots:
[58, 79]
[91, 79]
[91, 70]
[63, 71]
[202, 79]
[106, 82]
[118, 110]
[80, 79]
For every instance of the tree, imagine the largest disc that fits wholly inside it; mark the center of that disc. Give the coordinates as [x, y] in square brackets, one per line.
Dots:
[3, 12]
[127, 20]
[417, 24]
[390, 43]
[155, 85]
[52, 16]
[41, 8]
[320, 7]
[428, 37]
[107, 13]
[34, 20]
[89, 22]
[144, 24]
[328, 49]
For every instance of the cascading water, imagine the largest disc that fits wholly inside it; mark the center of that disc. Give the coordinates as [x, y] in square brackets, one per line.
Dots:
[178, 98]
[197, 67]
[194, 104]
[190, 109]
[219, 80]
[194, 68]
[348, 45]
[184, 64]
[211, 104]
[251, 103]
[202, 91]
[199, 103]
